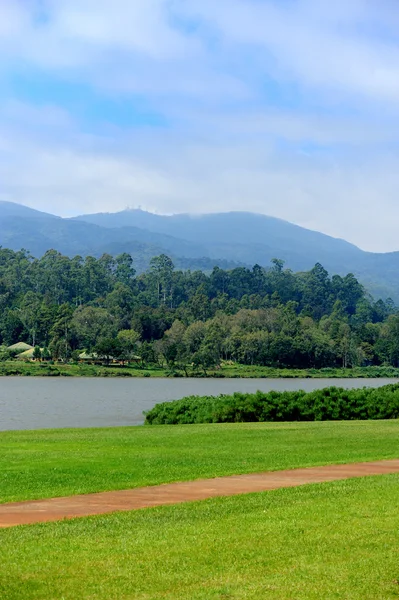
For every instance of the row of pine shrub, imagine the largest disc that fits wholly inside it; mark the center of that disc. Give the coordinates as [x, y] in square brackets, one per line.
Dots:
[329, 404]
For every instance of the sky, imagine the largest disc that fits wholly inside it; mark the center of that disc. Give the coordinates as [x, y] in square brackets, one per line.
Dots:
[288, 108]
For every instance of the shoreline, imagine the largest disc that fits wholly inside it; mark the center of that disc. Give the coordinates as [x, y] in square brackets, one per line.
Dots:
[226, 371]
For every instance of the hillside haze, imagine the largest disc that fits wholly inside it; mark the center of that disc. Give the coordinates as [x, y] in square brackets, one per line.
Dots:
[224, 239]
[246, 237]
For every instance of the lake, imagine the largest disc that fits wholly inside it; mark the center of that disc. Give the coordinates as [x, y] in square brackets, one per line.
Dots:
[46, 403]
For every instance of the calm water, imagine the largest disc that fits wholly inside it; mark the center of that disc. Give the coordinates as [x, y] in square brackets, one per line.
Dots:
[43, 403]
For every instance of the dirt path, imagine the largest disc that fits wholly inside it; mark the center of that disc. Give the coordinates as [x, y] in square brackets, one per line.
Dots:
[55, 509]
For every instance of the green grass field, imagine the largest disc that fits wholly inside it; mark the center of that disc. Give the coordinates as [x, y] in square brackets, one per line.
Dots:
[43, 464]
[329, 541]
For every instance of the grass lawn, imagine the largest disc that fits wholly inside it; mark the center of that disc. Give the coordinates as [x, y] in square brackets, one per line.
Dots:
[43, 464]
[328, 541]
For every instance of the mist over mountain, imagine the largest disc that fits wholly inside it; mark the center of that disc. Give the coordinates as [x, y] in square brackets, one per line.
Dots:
[224, 239]
[247, 237]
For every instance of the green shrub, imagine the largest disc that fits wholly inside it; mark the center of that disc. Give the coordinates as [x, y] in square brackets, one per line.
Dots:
[328, 404]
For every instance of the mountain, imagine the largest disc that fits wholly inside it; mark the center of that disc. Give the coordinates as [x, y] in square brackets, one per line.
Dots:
[218, 227]
[226, 239]
[251, 238]
[241, 236]
[23, 227]
[11, 209]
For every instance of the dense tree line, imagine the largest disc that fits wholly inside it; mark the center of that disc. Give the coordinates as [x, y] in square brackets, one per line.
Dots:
[257, 316]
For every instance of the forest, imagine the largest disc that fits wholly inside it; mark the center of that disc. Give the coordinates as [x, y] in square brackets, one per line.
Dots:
[261, 316]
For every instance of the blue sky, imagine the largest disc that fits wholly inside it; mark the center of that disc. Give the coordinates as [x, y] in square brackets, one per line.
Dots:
[283, 107]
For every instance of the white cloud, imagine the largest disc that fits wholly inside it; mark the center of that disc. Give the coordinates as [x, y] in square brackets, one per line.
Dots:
[81, 34]
[317, 42]
[71, 174]
[211, 67]
[137, 46]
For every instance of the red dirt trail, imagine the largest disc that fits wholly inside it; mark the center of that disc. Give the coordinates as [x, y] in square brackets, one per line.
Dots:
[55, 509]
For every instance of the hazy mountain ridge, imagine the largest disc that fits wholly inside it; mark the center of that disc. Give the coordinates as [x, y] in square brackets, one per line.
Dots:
[251, 238]
[227, 239]
[23, 227]
[241, 236]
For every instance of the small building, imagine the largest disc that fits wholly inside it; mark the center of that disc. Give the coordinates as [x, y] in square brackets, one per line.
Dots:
[20, 347]
[94, 358]
[28, 354]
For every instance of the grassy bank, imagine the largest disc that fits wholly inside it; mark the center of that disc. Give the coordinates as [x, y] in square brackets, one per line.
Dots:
[58, 463]
[44, 369]
[233, 371]
[328, 541]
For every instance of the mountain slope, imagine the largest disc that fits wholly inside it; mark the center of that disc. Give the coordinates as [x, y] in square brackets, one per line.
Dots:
[241, 236]
[251, 238]
[22, 227]
[11, 209]
[244, 227]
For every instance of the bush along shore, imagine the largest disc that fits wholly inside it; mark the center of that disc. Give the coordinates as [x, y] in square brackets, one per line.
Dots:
[228, 371]
[329, 404]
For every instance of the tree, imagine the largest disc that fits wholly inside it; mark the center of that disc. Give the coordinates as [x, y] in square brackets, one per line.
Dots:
[37, 353]
[125, 272]
[120, 303]
[217, 332]
[29, 314]
[174, 348]
[194, 336]
[46, 355]
[278, 265]
[281, 283]
[219, 280]
[282, 352]
[253, 348]
[205, 358]
[317, 296]
[349, 291]
[12, 328]
[5, 354]
[91, 324]
[200, 306]
[147, 353]
[257, 316]
[162, 270]
[345, 345]
[388, 345]
[108, 349]
[313, 347]
[61, 336]
[128, 340]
